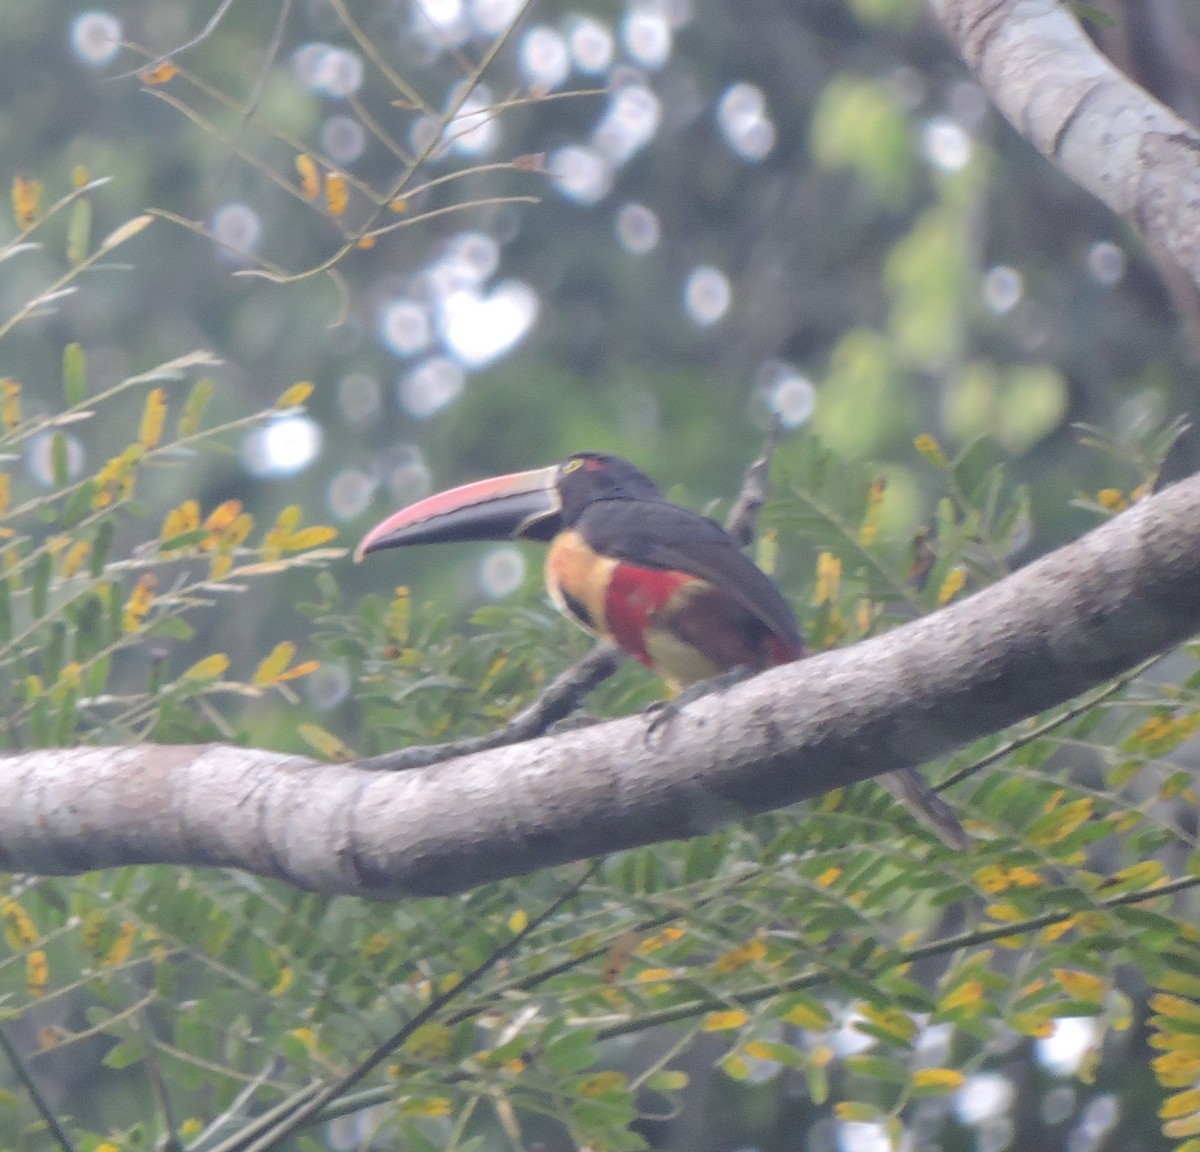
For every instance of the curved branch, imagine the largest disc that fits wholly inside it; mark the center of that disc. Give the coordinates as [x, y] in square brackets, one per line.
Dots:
[1107, 134]
[1067, 622]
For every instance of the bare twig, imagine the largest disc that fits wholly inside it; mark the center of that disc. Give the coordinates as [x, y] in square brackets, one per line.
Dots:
[308, 1101]
[158, 1086]
[199, 38]
[260, 86]
[907, 785]
[35, 1094]
[560, 699]
[742, 521]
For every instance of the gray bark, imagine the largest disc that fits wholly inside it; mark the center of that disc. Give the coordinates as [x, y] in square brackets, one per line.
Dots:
[1066, 99]
[1066, 623]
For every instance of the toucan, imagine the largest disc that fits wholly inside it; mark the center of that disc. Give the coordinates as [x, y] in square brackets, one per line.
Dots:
[667, 585]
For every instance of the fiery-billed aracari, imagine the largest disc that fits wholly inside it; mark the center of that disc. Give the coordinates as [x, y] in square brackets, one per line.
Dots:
[668, 586]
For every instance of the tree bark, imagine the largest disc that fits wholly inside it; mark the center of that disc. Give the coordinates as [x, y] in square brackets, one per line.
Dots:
[1066, 99]
[1127, 590]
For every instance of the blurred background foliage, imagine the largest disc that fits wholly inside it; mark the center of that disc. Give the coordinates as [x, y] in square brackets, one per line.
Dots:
[742, 210]
[747, 209]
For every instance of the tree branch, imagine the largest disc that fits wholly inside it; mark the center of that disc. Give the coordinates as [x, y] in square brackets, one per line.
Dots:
[1063, 96]
[1067, 622]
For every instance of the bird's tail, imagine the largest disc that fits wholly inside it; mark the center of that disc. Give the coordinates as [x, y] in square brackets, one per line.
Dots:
[911, 789]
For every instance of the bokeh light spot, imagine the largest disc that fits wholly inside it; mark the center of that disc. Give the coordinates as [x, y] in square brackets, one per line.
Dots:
[501, 572]
[706, 295]
[237, 229]
[407, 474]
[327, 686]
[646, 33]
[632, 118]
[480, 329]
[580, 173]
[743, 121]
[474, 129]
[441, 15]
[1003, 287]
[637, 229]
[405, 327]
[860, 1136]
[283, 447]
[945, 145]
[39, 458]
[470, 258]
[790, 394]
[591, 44]
[337, 72]
[343, 139]
[1064, 1049]
[544, 58]
[96, 37]
[491, 17]
[1058, 1105]
[430, 386]
[1106, 262]
[349, 493]
[1100, 1116]
[359, 397]
[983, 1097]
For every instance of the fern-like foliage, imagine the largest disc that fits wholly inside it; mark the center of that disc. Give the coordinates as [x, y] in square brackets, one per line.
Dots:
[839, 945]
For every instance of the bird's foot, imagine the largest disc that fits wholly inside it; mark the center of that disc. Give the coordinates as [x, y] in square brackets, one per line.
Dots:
[662, 712]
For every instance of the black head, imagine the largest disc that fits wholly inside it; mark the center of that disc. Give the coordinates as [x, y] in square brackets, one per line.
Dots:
[586, 477]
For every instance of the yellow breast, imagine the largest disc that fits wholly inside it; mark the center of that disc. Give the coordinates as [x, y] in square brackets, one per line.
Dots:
[577, 579]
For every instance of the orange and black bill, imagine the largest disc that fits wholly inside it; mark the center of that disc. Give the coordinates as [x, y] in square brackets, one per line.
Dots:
[522, 505]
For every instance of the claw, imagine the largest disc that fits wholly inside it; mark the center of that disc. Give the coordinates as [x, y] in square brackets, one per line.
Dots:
[662, 712]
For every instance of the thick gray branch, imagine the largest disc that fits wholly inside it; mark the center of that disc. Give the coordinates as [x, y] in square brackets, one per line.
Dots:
[1062, 95]
[1127, 590]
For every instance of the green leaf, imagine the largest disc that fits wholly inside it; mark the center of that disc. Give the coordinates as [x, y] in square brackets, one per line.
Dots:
[41, 731]
[124, 1054]
[667, 1080]
[6, 623]
[74, 374]
[43, 567]
[171, 627]
[78, 504]
[571, 1052]
[101, 545]
[79, 233]
[817, 1080]
[195, 406]
[704, 857]
[53, 653]
[878, 1068]
[59, 461]
[95, 679]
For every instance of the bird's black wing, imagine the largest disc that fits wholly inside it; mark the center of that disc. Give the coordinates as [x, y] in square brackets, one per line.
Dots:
[659, 534]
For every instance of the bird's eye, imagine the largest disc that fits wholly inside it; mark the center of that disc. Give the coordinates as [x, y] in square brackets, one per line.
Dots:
[572, 466]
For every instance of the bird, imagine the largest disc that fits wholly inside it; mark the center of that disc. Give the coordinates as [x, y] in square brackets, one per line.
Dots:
[664, 583]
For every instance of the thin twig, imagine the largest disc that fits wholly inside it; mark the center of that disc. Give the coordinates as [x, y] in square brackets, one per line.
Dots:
[257, 1139]
[260, 86]
[742, 521]
[39, 1101]
[200, 37]
[158, 1086]
[559, 700]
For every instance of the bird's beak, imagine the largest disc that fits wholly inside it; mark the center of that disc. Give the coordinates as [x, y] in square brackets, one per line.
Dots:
[523, 505]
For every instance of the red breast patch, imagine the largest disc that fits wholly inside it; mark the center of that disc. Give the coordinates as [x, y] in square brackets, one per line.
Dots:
[634, 595]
